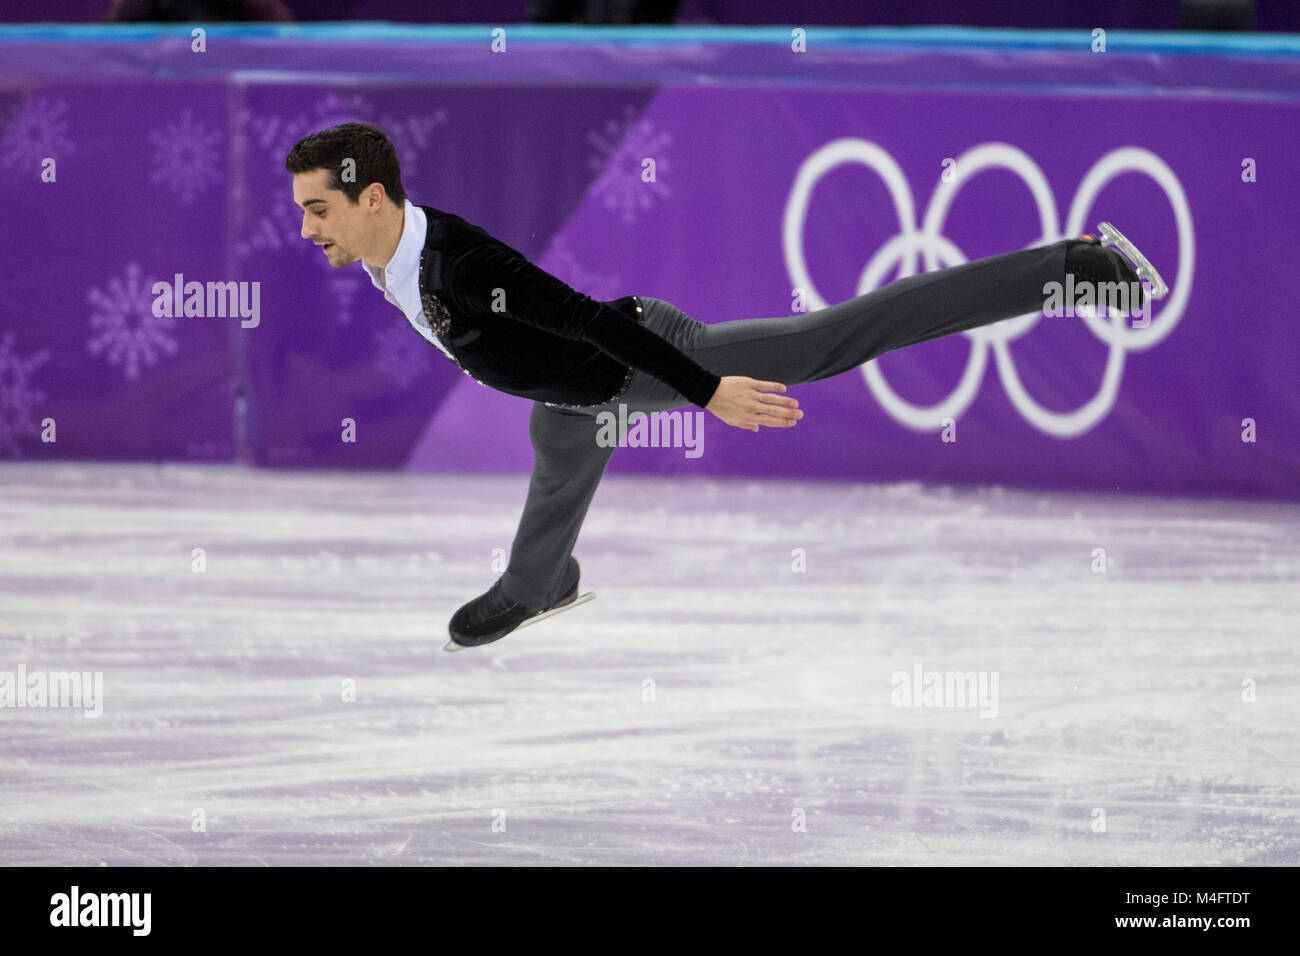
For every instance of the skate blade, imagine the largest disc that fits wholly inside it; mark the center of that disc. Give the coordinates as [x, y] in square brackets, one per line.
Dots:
[452, 647]
[580, 599]
[1110, 236]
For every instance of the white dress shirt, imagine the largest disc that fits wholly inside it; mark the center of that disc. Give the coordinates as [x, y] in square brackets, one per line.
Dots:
[400, 279]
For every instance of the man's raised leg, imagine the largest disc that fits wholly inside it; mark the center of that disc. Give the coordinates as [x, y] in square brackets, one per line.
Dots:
[816, 345]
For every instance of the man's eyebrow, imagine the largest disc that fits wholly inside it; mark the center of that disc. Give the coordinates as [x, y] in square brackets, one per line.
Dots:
[306, 202]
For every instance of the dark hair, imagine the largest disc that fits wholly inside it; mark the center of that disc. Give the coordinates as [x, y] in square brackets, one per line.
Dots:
[366, 145]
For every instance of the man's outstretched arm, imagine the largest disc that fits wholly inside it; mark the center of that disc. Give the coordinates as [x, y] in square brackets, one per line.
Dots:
[536, 297]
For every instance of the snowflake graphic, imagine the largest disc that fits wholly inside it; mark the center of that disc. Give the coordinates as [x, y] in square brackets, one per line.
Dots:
[128, 329]
[620, 150]
[279, 223]
[345, 287]
[185, 158]
[17, 395]
[561, 262]
[401, 353]
[38, 130]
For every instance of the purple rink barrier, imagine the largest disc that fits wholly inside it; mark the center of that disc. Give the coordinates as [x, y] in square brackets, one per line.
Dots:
[129, 158]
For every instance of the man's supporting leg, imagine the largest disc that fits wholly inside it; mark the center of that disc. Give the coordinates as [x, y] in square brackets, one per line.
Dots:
[567, 467]
[804, 348]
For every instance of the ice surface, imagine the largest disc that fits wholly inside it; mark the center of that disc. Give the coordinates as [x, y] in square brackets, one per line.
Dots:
[771, 699]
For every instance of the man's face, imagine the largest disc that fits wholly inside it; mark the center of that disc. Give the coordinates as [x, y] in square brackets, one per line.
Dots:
[342, 229]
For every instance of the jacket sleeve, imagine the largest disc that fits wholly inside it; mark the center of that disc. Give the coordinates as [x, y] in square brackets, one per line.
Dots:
[535, 297]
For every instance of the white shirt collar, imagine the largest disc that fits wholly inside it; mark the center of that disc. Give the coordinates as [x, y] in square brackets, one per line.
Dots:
[406, 260]
[400, 279]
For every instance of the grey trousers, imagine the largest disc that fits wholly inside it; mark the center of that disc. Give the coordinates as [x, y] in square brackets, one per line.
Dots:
[568, 462]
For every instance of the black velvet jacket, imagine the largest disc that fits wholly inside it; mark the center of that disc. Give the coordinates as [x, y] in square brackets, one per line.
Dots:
[544, 341]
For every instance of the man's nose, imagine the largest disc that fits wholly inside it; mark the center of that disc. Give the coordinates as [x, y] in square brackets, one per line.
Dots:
[304, 232]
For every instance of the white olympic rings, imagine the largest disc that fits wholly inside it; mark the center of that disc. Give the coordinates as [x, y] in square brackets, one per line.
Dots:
[938, 252]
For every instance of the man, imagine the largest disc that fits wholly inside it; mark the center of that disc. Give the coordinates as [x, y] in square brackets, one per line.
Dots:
[518, 329]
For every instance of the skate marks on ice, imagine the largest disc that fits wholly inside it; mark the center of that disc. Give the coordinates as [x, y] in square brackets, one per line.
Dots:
[712, 698]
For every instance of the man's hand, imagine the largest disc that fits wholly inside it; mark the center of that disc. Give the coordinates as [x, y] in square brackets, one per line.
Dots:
[748, 403]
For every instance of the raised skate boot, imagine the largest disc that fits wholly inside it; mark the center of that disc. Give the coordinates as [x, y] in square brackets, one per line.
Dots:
[1110, 257]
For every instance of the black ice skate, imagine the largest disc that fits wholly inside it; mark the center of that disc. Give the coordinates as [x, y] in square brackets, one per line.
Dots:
[1112, 257]
[491, 616]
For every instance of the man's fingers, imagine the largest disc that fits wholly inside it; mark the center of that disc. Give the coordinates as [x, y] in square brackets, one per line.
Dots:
[766, 409]
[785, 409]
[763, 392]
[783, 418]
